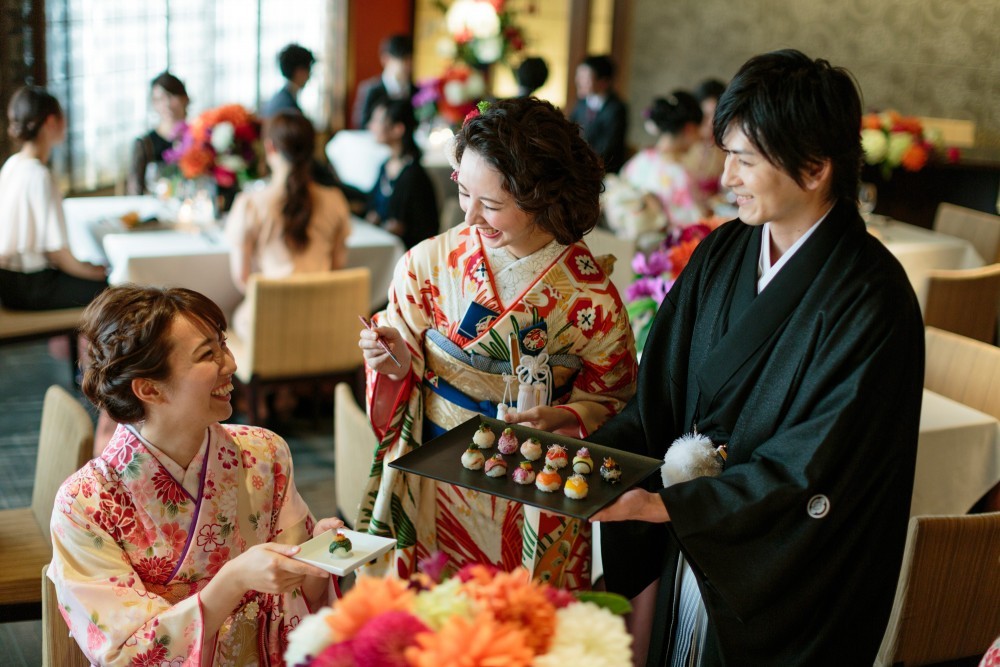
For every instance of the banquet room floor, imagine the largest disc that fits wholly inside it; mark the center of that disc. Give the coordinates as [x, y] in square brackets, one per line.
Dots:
[26, 371]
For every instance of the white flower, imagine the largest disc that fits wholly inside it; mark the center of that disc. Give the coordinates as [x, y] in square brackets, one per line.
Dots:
[899, 143]
[475, 86]
[445, 600]
[451, 151]
[488, 49]
[222, 136]
[473, 16]
[588, 636]
[446, 48]
[874, 144]
[454, 92]
[233, 163]
[309, 638]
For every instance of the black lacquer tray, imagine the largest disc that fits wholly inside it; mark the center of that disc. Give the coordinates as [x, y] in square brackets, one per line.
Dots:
[441, 459]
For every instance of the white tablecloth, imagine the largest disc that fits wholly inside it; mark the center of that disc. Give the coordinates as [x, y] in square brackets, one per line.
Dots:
[922, 250]
[958, 458]
[197, 258]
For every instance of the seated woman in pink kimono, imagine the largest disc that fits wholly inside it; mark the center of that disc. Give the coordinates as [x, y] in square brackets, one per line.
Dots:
[174, 546]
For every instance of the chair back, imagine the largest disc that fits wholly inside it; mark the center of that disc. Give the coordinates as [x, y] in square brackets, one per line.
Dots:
[59, 649]
[354, 446]
[304, 324]
[980, 229]
[964, 301]
[946, 600]
[964, 370]
[65, 443]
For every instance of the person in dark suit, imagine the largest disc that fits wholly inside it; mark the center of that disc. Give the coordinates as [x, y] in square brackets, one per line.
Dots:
[601, 114]
[394, 83]
[296, 66]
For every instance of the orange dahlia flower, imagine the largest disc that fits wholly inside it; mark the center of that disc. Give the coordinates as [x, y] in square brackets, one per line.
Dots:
[370, 597]
[914, 158]
[196, 162]
[476, 642]
[680, 255]
[514, 600]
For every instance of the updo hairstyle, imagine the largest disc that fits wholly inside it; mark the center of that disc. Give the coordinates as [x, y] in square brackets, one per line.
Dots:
[28, 110]
[543, 161]
[672, 113]
[128, 328]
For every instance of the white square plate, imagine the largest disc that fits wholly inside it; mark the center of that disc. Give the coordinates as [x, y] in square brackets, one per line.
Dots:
[364, 548]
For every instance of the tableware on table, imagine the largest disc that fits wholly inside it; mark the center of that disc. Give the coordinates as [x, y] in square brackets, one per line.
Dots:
[381, 343]
[364, 548]
[440, 459]
[867, 197]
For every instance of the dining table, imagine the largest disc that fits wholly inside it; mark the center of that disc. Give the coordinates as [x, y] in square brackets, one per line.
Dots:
[921, 251]
[161, 252]
[958, 456]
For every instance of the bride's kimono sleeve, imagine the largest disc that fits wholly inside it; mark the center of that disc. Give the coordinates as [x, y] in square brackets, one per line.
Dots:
[114, 617]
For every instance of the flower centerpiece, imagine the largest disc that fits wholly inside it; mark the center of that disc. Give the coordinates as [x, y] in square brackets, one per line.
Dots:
[891, 140]
[481, 32]
[656, 271]
[478, 617]
[222, 145]
[450, 96]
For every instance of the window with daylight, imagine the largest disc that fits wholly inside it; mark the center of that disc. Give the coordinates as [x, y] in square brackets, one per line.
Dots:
[101, 56]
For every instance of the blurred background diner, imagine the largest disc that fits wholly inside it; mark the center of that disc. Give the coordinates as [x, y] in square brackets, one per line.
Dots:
[148, 158]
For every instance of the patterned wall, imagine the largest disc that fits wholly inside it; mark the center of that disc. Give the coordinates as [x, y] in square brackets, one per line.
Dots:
[937, 58]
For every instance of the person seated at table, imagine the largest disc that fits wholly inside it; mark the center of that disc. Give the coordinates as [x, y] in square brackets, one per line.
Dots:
[402, 200]
[175, 545]
[674, 121]
[295, 63]
[705, 161]
[394, 83]
[37, 268]
[518, 267]
[292, 225]
[170, 102]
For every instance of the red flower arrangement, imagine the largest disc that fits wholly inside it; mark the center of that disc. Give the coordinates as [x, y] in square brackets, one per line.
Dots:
[222, 143]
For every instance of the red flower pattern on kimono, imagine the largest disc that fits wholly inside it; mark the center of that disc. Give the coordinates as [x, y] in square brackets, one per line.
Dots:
[151, 658]
[217, 559]
[228, 458]
[210, 536]
[168, 491]
[116, 516]
[249, 460]
[156, 569]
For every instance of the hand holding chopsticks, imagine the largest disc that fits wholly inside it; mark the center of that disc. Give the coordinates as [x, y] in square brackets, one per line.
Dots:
[380, 342]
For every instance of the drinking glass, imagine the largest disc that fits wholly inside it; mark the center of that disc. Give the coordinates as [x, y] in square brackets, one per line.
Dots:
[867, 196]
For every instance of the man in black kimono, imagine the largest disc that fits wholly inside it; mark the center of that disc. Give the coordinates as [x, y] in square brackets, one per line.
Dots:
[792, 337]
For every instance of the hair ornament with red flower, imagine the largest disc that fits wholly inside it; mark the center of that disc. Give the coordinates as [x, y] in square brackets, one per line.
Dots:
[481, 107]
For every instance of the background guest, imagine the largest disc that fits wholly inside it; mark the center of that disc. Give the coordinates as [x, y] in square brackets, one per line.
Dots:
[292, 225]
[37, 268]
[674, 120]
[705, 161]
[529, 186]
[170, 102]
[296, 64]
[395, 82]
[175, 544]
[402, 200]
[599, 111]
[531, 75]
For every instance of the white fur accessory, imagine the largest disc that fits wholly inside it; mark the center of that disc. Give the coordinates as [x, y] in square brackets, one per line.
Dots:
[689, 456]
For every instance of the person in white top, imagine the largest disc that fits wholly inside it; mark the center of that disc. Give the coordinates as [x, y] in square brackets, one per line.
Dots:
[37, 268]
[292, 225]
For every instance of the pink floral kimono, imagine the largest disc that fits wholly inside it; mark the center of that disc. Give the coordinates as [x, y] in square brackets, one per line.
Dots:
[135, 538]
[456, 311]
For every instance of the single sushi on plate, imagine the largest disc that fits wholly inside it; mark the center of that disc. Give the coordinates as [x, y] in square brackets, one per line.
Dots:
[556, 456]
[548, 480]
[611, 471]
[483, 437]
[576, 487]
[531, 449]
[496, 466]
[524, 473]
[340, 547]
[507, 444]
[473, 459]
[582, 463]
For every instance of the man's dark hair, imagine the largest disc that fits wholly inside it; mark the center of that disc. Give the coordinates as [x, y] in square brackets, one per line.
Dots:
[397, 46]
[797, 112]
[709, 89]
[294, 57]
[603, 67]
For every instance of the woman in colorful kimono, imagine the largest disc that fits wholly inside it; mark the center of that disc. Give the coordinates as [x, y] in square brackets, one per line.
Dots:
[516, 274]
[175, 545]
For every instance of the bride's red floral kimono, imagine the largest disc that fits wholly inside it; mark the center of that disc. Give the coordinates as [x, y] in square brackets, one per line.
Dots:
[455, 303]
[135, 538]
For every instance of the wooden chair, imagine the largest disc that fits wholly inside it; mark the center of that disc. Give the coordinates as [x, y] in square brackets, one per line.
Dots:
[65, 443]
[304, 326]
[354, 445]
[964, 370]
[946, 601]
[59, 649]
[980, 229]
[23, 325]
[964, 301]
